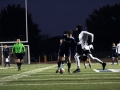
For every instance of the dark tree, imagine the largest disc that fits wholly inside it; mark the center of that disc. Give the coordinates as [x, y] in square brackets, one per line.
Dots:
[13, 25]
[105, 24]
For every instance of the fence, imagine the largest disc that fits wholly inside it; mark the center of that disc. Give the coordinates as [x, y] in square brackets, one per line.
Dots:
[54, 56]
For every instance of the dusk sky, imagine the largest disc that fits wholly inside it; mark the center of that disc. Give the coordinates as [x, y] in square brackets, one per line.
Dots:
[56, 16]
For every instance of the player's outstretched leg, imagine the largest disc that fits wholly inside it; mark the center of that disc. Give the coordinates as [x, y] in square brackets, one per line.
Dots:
[98, 60]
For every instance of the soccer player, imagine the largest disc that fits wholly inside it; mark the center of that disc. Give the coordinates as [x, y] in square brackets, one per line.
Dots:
[63, 58]
[83, 39]
[114, 53]
[19, 51]
[118, 51]
[6, 52]
[65, 48]
[86, 49]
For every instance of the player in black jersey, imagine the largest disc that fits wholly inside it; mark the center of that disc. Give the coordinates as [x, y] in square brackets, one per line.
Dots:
[63, 58]
[114, 53]
[6, 52]
[65, 48]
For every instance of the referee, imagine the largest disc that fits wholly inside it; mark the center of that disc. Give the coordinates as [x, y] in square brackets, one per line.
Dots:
[19, 51]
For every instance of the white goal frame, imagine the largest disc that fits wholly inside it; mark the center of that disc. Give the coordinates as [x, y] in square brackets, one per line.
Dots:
[28, 56]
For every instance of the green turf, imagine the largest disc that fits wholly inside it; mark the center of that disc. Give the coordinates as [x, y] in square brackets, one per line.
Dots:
[46, 78]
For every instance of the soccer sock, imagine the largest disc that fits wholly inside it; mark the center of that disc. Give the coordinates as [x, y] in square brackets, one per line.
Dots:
[77, 62]
[90, 64]
[20, 64]
[59, 63]
[17, 64]
[69, 65]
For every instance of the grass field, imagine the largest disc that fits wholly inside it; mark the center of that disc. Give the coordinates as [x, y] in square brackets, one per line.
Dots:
[43, 77]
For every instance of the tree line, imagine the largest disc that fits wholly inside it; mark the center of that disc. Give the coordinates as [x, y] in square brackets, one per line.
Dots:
[104, 23]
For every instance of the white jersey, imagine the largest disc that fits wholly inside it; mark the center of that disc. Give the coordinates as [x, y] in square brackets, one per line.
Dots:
[118, 48]
[83, 39]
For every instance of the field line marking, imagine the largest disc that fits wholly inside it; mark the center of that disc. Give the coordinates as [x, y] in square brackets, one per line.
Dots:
[24, 74]
[70, 78]
[63, 84]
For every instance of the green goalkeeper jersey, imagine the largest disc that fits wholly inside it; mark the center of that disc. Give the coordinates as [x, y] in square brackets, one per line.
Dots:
[18, 48]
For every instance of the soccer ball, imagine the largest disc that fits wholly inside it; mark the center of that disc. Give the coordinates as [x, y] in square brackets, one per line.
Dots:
[62, 70]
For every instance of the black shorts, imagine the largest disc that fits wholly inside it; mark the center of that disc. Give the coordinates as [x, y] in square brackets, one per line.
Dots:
[6, 55]
[84, 55]
[63, 52]
[114, 55]
[19, 56]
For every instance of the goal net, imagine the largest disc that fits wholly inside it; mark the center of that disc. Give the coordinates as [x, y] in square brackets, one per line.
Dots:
[26, 58]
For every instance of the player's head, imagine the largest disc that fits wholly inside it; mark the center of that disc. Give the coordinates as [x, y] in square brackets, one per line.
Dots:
[18, 40]
[113, 44]
[60, 41]
[79, 27]
[5, 45]
[69, 33]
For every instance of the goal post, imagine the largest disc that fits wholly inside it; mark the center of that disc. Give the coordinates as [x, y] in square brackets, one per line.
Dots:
[26, 58]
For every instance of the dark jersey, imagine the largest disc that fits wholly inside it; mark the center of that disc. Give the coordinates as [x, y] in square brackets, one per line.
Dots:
[78, 47]
[68, 43]
[113, 49]
[75, 35]
[6, 51]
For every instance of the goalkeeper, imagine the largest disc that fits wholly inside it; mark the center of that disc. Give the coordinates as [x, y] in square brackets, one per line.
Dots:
[19, 51]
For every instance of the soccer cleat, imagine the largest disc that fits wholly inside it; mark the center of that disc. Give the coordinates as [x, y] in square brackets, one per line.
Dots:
[103, 65]
[77, 70]
[57, 71]
[69, 71]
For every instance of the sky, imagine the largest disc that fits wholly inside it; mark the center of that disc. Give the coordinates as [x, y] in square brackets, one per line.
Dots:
[56, 16]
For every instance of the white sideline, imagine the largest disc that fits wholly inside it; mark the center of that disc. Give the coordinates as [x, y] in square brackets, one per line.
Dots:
[24, 74]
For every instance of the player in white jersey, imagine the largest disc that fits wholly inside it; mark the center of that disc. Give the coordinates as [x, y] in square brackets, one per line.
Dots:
[83, 39]
[118, 50]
